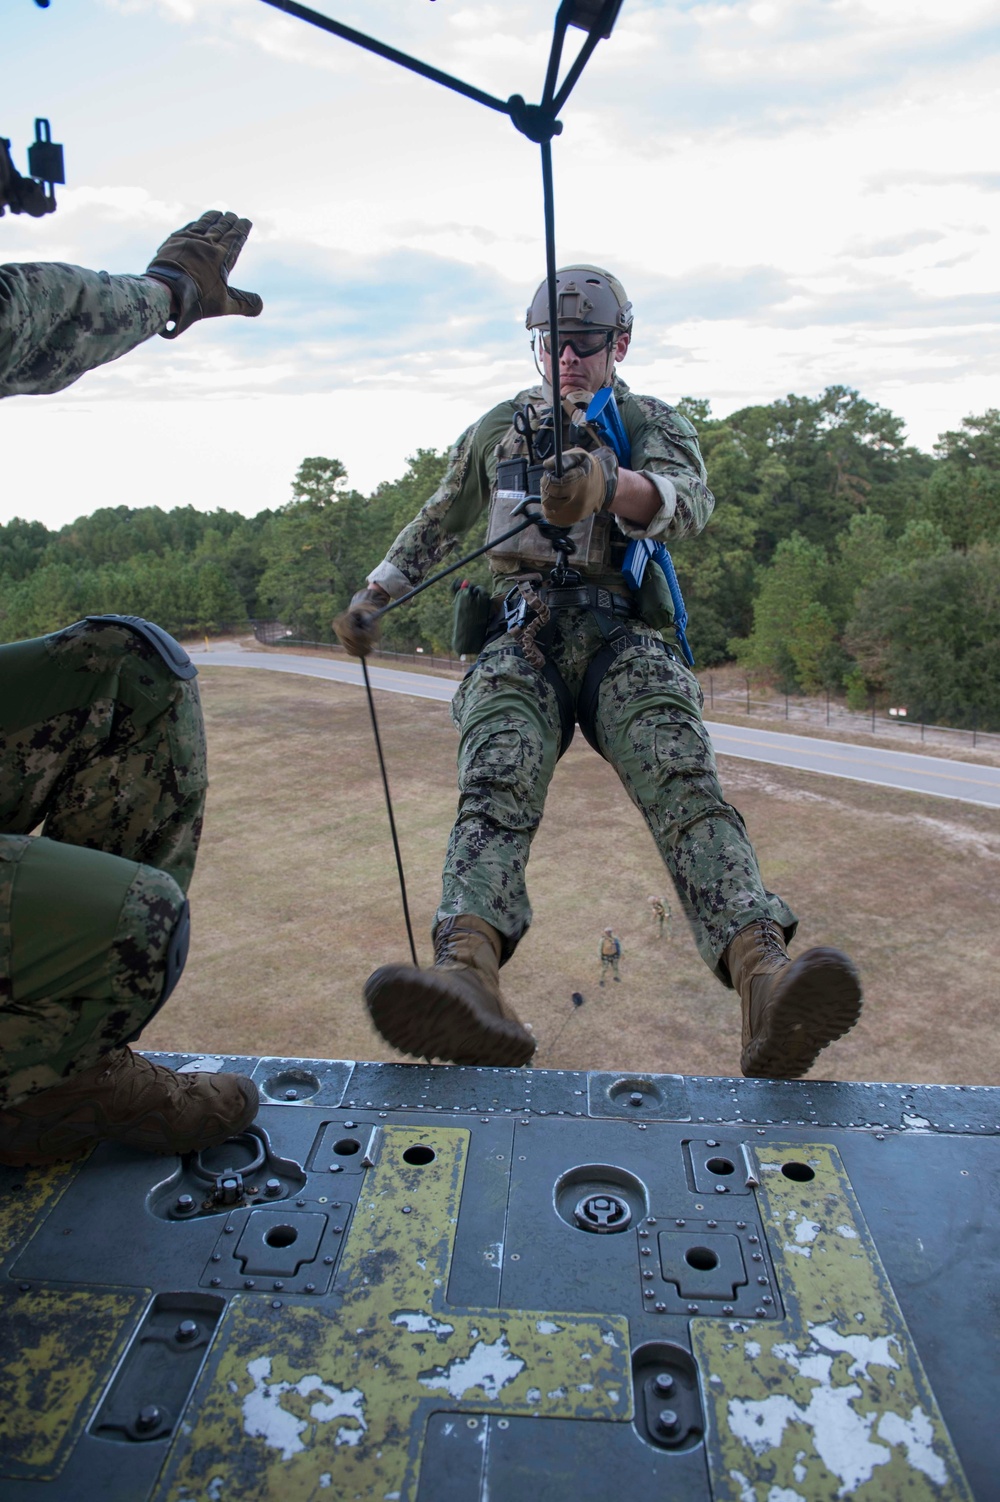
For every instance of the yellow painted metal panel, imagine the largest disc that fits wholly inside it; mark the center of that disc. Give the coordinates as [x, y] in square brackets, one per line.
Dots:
[28, 1201]
[59, 1349]
[312, 1402]
[832, 1401]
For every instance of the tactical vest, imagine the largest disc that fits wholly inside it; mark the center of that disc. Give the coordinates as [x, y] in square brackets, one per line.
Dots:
[600, 545]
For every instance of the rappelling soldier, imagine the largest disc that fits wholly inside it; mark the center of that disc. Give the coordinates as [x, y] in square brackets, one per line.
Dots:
[102, 743]
[590, 651]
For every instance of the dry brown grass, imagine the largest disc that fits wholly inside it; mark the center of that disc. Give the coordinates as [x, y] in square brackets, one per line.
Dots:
[295, 898]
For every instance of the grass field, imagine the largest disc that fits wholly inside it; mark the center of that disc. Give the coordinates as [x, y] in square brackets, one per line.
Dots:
[295, 899]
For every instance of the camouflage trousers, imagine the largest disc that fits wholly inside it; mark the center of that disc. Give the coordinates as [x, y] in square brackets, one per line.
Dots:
[104, 747]
[649, 727]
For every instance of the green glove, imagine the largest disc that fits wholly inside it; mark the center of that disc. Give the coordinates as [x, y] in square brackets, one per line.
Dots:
[195, 262]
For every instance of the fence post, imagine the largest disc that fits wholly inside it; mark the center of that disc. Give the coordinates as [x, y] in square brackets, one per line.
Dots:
[873, 714]
[711, 692]
[975, 725]
[828, 706]
[786, 706]
[748, 696]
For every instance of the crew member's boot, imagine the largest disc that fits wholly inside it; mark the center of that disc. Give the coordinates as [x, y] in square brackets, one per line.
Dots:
[454, 1010]
[125, 1098]
[791, 1008]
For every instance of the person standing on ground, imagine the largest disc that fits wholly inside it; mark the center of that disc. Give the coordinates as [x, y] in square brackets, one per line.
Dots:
[590, 651]
[662, 915]
[610, 951]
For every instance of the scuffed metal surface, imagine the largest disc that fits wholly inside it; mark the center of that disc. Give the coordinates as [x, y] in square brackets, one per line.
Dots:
[833, 1401]
[58, 1349]
[26, 1197]
[300, 1402]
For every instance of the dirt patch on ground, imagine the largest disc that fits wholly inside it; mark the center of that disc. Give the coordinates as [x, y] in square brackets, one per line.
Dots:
[295, 898]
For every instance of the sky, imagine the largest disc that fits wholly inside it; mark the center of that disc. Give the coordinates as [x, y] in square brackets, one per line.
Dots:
[796, 193]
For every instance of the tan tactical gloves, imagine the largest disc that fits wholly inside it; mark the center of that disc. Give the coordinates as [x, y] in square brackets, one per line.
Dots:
[587, 485]
[357, 626]
[195, 262]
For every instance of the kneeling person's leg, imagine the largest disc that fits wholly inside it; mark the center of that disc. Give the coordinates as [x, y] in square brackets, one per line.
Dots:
[95, 944]
[103, 741]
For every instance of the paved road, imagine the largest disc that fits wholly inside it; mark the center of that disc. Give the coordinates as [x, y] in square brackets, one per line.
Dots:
[897, 769]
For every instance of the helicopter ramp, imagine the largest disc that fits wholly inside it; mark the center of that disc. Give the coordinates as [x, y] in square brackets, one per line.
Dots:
[437, 1284]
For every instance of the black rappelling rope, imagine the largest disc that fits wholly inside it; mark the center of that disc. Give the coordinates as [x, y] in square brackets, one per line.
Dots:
[539, 123]
[388, 802]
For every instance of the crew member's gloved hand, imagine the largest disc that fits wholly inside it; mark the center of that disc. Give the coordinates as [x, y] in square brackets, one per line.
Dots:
[357, 626]
[195, 262]
[587, 485]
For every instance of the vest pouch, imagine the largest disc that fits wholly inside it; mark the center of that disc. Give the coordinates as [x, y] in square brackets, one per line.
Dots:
[655, 605]
[470, 620]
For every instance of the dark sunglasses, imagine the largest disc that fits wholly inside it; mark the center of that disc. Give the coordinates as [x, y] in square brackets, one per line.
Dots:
[582, 345]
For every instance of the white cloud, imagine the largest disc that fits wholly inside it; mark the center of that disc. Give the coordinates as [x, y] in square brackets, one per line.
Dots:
[796, 192]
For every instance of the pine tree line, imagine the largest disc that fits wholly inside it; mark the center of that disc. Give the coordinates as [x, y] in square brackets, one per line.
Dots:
[838, 558]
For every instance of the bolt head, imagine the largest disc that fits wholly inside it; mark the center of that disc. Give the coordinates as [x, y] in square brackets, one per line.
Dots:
[667, 1421]
[148, 1418]
[664, 1382]
[187, 1330]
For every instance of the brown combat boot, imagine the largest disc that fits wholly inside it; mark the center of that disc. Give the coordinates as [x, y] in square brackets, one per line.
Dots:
[126, 1098]
[454, 1010]
[791, 1008]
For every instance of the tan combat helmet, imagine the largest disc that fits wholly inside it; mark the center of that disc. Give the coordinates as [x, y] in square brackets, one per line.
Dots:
[588, 298]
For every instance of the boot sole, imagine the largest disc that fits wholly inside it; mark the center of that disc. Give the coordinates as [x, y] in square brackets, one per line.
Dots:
[411, 1012]
[819, 1001]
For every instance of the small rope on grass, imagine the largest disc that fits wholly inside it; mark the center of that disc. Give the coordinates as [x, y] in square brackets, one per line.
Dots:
[388, 804]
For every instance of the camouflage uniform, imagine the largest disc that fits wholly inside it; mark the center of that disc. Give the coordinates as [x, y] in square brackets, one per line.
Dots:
[609, 952]
[648, 712]
[56, 322]
[101, 741]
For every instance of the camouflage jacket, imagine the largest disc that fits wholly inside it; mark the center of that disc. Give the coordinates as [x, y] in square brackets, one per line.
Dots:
[58, 321]
[664, 449]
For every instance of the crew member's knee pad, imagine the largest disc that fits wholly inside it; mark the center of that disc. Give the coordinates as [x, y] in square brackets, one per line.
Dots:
[177, 952]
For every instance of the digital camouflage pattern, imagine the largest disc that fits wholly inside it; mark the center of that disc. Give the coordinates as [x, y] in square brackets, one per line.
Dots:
[649, 726]
[103, 743]
[58, 321]
[664, 447]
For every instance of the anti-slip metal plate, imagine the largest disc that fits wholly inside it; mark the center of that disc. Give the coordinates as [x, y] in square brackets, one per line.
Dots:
[454, 1284]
